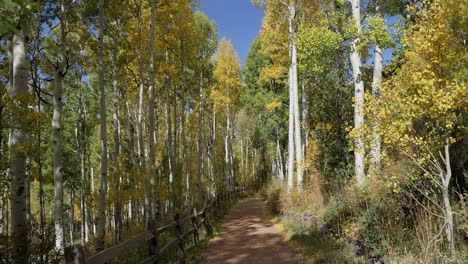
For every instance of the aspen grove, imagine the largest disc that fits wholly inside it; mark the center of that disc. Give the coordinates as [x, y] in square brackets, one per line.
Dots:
[116, 116]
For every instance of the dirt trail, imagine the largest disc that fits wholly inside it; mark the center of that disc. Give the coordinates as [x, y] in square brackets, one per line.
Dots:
[246, 239]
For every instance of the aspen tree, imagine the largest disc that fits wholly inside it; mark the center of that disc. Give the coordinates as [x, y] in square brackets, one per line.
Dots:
[151, 113]
[359, 150]
[20, 226]
[57, 132]
[103, 133]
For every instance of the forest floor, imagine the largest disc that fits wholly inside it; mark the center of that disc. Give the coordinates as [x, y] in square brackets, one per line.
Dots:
[246, 238]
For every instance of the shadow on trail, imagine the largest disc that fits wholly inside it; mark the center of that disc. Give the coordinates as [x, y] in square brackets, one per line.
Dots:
[246, 239]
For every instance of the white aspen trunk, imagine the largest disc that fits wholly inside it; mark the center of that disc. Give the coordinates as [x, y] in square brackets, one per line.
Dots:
[446, 177]
[279, 161]
[295, 98]
[254, 167]
[82, 150]
[227, 159]
[200, 139]
[84, 195]
[283, 172]
[117, 145]
[92, 216]
[185, 156]
[28, 190]
[20, 227]
[291, 153]
[377, 79]
[175, 145]
[231, 152]
[247, 163]
[169, 132]
[169, 138]
[274, 166]
[72, 216]
[213, 150]
[305, 135]
[151, 114]
[57, 135]
[158, 171]
[130, 208]
[359, 151]
[103, 118]
[141, 143]
[253, 164]
[242, 155]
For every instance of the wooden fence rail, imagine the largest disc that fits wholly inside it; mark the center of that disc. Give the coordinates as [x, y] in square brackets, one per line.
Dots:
[75, 254]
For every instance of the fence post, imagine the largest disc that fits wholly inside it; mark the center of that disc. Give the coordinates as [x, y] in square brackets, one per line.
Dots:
[196, 237]
[178, 233]
[74, 254]
[155, 243]
[152, 243]
[209, 229]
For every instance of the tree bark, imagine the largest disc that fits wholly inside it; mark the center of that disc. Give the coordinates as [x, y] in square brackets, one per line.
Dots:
[185, 155]
[2, 153]
[20, 226]
[133, 155]
[200, 139]
[92, 215]
[377, 79]
[103, 118]
[232, 163]
[117, 145]
[359, 151]
[227, 161]
[169, 139]
[57, 134]
[82, 149]
[43, 254]
[446, 177]
[175, 140]
[297, 123]
[305, 135]
[279, 161]
[141, 146]
[3, 174]
[151, 113]
[291, 153]
[72, 215]
[213, 151]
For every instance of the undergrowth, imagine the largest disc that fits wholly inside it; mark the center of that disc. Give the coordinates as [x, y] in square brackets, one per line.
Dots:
[367, 225]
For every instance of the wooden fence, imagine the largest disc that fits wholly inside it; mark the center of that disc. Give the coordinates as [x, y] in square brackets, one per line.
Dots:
[75, 254]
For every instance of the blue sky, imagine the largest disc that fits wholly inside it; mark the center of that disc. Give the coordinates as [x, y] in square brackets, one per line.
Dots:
[238, 20]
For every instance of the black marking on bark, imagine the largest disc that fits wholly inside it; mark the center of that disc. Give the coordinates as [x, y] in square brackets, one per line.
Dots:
[20, 191]
[358, 78]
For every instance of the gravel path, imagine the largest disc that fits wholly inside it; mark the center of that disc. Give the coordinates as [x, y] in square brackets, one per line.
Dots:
[246, 239]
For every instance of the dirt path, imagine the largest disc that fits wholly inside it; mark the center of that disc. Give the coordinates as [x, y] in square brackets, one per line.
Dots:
[246, 239]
